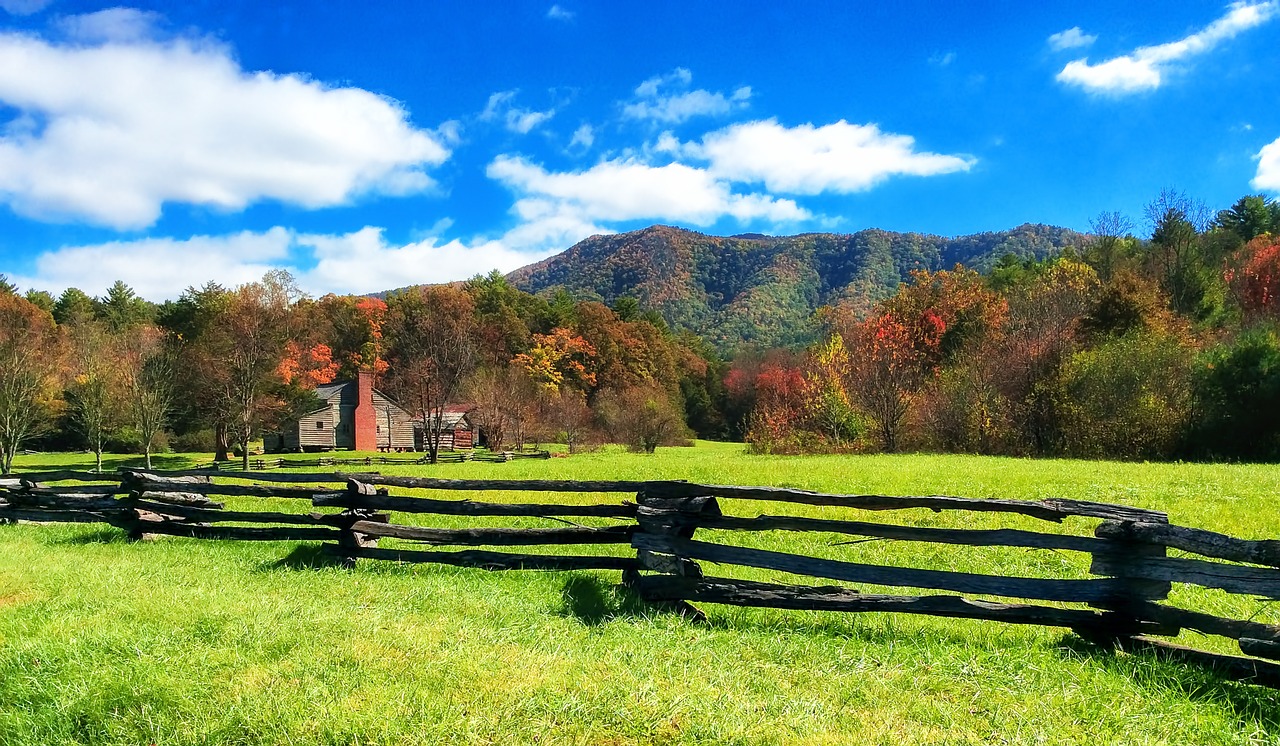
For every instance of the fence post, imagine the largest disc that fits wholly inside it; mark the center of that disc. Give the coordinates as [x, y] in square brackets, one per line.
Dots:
[676, 517]
[1114, 562]
[349, 541]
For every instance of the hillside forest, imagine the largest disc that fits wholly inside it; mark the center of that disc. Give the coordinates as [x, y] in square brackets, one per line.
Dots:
[1150, 340]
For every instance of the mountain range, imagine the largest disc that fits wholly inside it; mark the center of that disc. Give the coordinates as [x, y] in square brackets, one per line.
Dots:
[762, 290]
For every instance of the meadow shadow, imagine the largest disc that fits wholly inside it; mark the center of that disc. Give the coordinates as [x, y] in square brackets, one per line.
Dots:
[1248, 702]
[104, 535]
[592, 601]
[304, 557]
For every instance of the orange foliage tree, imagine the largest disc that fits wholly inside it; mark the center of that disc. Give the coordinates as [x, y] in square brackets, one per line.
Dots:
[30, 368]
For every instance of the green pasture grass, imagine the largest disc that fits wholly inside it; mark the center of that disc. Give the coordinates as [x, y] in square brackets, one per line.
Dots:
[178, 641]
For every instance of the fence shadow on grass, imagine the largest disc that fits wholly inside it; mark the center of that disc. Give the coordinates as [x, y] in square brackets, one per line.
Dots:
[82, 538]
[1245, 702]
[593, 600]
[304, 557]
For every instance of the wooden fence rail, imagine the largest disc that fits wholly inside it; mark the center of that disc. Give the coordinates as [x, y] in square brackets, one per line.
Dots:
[1123, 604]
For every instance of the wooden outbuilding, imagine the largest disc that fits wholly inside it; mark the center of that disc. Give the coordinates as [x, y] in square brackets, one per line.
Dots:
[355, 416]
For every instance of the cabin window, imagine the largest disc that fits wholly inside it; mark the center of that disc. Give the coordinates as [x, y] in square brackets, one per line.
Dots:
[319, 424]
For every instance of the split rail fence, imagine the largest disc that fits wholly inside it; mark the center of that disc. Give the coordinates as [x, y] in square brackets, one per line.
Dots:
[1124, 605]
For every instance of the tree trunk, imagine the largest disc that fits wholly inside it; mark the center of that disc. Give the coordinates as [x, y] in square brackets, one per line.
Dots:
[97, 458]
[244, 453]
[146, 452]
[220, 442]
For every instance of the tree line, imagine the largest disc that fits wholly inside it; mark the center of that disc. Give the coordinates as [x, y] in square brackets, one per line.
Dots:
[1124, 347]
[218, 367]
[1155, 347]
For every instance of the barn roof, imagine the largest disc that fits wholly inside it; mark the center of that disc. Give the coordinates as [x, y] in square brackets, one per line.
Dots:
[345, 391]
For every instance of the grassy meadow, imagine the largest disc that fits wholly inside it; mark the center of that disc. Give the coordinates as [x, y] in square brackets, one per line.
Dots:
[178, 641]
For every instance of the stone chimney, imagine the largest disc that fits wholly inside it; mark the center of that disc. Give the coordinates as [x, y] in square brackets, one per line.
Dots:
[365, 419]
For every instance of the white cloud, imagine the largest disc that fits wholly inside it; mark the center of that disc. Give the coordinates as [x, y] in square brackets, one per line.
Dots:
[839, 157]
[656, 100]
[112, 24]
[1145, 67]
[24, 7]
[630, 190]
[1072, 38]
[559, 13]
[1268, 176]
[501, 107]
[363, 261]
[583, 137]
[358, 262]
[127, 127]
[161, 268]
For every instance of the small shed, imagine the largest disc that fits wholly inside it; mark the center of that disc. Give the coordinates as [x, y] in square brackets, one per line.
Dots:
[456, 432]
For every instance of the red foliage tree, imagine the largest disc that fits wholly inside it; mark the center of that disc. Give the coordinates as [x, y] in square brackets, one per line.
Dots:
[1254, 277]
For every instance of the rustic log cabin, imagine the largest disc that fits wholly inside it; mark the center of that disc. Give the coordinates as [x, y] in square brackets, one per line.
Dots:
[456, 431]
[355, 416]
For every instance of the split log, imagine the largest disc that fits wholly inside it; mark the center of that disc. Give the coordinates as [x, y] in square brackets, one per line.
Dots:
[1049, 510]
[512, 485]
[468, 507]
[1005, 537]
[491, 560]
[498, 536]
[241, 533]
[835, 598]
[63, 501]
[214, 514]
[1208, 623]
[1261, 581]
[1199, 541]
[133, 476]
[960, 582]
[190, 499]
[1261, 648]
[32, 488]
[257, 476]
[58, 516]
[238, 490]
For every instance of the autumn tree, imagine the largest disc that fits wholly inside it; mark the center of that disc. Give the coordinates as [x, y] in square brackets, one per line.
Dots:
[642, 417]
[567, 417]
[30, 368]
[559, 359]
[431, 340]
[1254, 278]
[95, 396]
[1110, 244]
[886, 369]
[241, 355]
[148, 367]
[503, 404]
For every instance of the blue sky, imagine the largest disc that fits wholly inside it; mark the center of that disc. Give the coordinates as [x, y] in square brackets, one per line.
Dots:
[365, 146]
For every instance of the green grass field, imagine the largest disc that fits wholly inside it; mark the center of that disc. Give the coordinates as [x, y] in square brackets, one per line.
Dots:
[178, 641]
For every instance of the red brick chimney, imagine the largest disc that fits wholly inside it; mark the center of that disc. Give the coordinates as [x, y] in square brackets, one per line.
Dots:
[365, 418]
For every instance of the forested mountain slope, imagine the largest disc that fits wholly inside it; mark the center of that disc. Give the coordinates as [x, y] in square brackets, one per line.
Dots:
[762, 289]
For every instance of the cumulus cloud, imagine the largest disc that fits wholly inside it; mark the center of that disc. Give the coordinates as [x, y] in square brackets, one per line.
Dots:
[839, 157]
[109, 133]
[1072, 38]
[667, 98]
[1144, 68]
[362, 261]
[501, 107]
[161, 268]
[629, 190]
[1268, 176]
[112, 24]
[559, 13]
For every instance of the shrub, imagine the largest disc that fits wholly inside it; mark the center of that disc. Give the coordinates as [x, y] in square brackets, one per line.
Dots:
[1238, 394]
[1128, 398]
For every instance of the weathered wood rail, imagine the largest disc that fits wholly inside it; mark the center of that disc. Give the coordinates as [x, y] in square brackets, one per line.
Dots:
[1122, 604]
